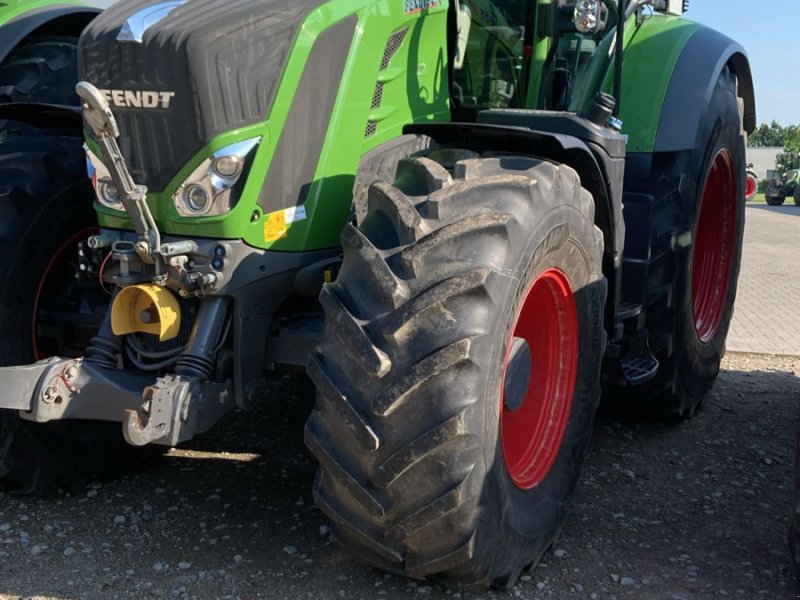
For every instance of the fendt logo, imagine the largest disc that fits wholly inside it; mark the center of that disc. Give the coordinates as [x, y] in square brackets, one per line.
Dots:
[138, 98]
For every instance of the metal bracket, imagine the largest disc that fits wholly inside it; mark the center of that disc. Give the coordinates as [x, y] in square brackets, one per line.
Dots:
[175, 410]
[171, 410]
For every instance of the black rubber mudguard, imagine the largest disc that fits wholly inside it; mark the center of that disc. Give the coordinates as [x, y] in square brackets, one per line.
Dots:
[692, 84]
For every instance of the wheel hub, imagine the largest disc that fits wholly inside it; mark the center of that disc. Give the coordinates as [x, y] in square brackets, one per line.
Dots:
[539, 379]
[61, 324]
[518, 374]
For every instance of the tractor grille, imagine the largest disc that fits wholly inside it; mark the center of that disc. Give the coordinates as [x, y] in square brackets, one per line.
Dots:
[222, 60]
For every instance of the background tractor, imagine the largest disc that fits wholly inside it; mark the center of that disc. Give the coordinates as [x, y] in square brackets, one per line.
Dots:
[781, 186]
[421, 204]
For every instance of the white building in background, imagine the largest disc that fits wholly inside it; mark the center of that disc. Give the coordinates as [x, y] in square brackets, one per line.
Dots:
[763, 159]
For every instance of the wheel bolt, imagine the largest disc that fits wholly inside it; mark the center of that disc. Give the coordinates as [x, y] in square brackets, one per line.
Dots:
[49, 393]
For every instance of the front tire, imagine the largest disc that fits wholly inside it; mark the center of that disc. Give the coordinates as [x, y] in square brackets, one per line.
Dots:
[467, 311]
[46, 208]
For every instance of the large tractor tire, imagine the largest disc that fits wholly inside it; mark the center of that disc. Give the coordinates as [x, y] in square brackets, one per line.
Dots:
[459, 373]
[774, 197]
[796, 196]
[696, 255]
[40, 70]
[45, 210]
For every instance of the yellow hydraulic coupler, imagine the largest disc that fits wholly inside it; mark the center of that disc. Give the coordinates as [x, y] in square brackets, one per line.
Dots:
[146, 309]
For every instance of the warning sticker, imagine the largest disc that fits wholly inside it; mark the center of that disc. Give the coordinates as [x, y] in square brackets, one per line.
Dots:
[415, 6]
[276, 225]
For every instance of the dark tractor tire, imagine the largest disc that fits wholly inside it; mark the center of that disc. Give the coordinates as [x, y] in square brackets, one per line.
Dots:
[696, 252]
[41, 70]
[796, 196]
[45, 209]
[775, 200]
[436, 459]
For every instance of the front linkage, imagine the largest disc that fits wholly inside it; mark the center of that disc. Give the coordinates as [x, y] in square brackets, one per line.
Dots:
[147, 274]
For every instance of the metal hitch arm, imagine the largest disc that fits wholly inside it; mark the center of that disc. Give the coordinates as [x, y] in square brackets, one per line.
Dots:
[166, 410]
[100, 119]
[69, 388]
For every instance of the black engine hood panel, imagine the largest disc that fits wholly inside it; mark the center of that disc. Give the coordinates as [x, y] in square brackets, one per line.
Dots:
[222, 60]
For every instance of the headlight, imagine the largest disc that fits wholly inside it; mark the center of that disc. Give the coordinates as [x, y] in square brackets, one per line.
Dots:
[215, 186]
[589, 16]
[105, 190]
[197, 199]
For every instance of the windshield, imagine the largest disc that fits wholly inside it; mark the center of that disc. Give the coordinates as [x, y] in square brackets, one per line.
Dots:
[512, 61]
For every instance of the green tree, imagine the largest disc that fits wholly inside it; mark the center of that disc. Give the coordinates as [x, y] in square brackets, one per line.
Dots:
[768, 135]
[790, 157]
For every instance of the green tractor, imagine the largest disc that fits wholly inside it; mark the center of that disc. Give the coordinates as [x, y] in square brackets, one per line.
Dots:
[463, 219]
[781, 186]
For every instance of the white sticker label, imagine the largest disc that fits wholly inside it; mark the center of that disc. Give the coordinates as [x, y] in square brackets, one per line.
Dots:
[294, 214]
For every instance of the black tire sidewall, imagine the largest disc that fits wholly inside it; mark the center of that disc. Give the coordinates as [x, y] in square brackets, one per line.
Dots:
[531, 519]
[41, 235]
[698, 361]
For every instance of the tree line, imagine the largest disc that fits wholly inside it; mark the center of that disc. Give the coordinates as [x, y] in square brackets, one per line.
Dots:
[776, 134]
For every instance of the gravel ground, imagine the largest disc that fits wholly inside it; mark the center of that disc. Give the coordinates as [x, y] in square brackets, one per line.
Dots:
[698, 509]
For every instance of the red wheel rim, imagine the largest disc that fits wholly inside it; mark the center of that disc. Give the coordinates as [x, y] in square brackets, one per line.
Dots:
[60, 260]
[714, 247]
[532, 433]
[751, 187]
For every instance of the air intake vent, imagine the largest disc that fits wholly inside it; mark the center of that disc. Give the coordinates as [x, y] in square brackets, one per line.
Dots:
[395, 41]
[377, 97]
[392, 46]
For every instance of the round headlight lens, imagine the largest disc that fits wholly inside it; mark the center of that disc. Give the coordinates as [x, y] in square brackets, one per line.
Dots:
[227, 167]
[110, 193]
[197, 199]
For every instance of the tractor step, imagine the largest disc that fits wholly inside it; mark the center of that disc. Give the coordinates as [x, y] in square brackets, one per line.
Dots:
[638, 366]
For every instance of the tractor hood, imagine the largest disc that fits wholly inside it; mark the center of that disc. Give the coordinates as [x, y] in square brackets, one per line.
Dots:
[178, 73]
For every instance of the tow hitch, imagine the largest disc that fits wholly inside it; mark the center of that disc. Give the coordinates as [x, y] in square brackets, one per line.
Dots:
[166, 409]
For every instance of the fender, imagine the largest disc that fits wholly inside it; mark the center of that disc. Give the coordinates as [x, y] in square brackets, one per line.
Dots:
[670, 68]
[64, 18]
[703, 58]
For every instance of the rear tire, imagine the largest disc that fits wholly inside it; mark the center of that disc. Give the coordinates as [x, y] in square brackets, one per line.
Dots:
[45, 201]
[774, 199]
[696, 255]
[423, 468]
[42, 70]
[796, 196]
